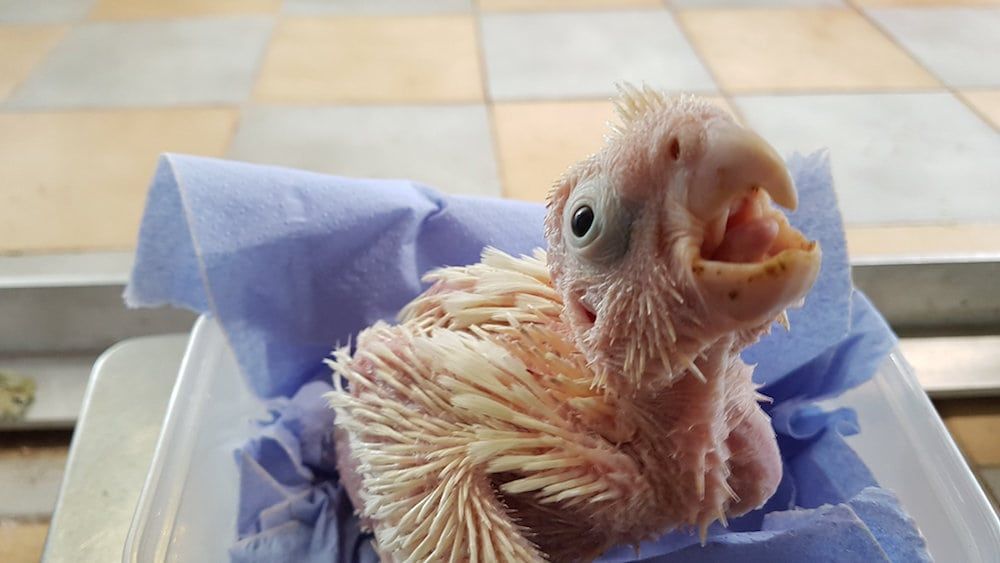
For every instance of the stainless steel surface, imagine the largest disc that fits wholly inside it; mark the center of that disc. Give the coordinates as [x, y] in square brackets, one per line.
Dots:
[54, 305]
[955, 366]
[943, 295]
[41, 320]
[65, 270]
[112, 448]
[73, 303]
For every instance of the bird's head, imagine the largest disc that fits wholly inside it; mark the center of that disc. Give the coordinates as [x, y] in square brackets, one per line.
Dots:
[668, 240]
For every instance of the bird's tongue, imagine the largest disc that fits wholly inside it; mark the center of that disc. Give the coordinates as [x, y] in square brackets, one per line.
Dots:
[747, 242]
[749, 234]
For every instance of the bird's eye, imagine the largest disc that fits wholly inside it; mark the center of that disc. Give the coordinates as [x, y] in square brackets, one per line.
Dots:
[583, 219]
[596, 224]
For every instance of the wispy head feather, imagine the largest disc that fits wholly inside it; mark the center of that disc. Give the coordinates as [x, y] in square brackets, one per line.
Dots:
[633, 102]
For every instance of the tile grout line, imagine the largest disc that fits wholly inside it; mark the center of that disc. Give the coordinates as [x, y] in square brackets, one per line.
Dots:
[239, 107]
[88, 19]
[487, 99]
[67, 29]
[729, 95]
[850, 5]
[686, 34]
[488, 102]
[863, 13]
[249, 100]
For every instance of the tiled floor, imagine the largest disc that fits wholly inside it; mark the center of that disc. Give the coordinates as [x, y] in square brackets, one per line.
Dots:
[151, 9]
[963, 60]
[366, 60]
[800, 49]
[376, 7]
[22, 541]
[23, 48]
[31, 11]
[75, 179]
[558, 55]
[898, 158]
[349, 140]
[490, 97]
[31, 469]
[155, 63]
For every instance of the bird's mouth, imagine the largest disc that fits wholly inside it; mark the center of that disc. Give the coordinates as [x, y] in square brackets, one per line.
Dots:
[752, 263]
[750, 230]
[749, 262]
[585, 312]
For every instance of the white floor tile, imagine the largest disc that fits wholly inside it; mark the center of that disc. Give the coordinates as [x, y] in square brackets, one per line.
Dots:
[43, 11]
[960, 45]
[568, 55]
[169, 62]
[897, 158]
[447, 147]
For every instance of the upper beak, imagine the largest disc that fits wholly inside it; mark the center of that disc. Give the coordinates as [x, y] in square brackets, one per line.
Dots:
[735, 161]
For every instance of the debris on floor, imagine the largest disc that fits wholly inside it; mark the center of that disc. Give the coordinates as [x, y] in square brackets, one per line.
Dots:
[17, 392]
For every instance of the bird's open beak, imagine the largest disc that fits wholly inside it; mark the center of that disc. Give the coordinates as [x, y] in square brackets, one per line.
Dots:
[751, 263]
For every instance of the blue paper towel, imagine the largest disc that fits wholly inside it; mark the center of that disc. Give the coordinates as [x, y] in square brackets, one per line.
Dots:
[291, 263]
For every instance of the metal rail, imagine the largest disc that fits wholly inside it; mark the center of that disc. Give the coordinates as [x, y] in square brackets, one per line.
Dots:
[944, 308]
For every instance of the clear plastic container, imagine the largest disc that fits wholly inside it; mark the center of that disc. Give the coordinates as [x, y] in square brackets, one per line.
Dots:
[187, 509]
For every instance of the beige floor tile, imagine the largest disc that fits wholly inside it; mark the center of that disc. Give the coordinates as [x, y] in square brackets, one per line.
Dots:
[975, 425]
[780, 50]
[546, 5]
[372, 60]
[923, 240]
[538, 141]
[142, 9]
[986, 102]
[77, 180]
[21, 48]
[22, 542]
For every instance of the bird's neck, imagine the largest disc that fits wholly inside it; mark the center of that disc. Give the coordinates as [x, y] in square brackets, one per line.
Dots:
[694, 407]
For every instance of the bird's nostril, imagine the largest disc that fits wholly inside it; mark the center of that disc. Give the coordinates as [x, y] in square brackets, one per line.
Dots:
[675, 149]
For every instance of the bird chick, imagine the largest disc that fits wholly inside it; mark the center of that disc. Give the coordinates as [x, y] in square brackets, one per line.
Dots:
[551, 407]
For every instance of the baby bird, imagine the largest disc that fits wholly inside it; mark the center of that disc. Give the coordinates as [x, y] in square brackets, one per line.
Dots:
[547, 408]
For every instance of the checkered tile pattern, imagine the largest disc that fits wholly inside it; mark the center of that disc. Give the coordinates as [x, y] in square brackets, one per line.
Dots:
[491, 97]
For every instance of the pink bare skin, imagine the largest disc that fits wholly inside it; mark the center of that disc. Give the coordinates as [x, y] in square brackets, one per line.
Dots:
[552, 409]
